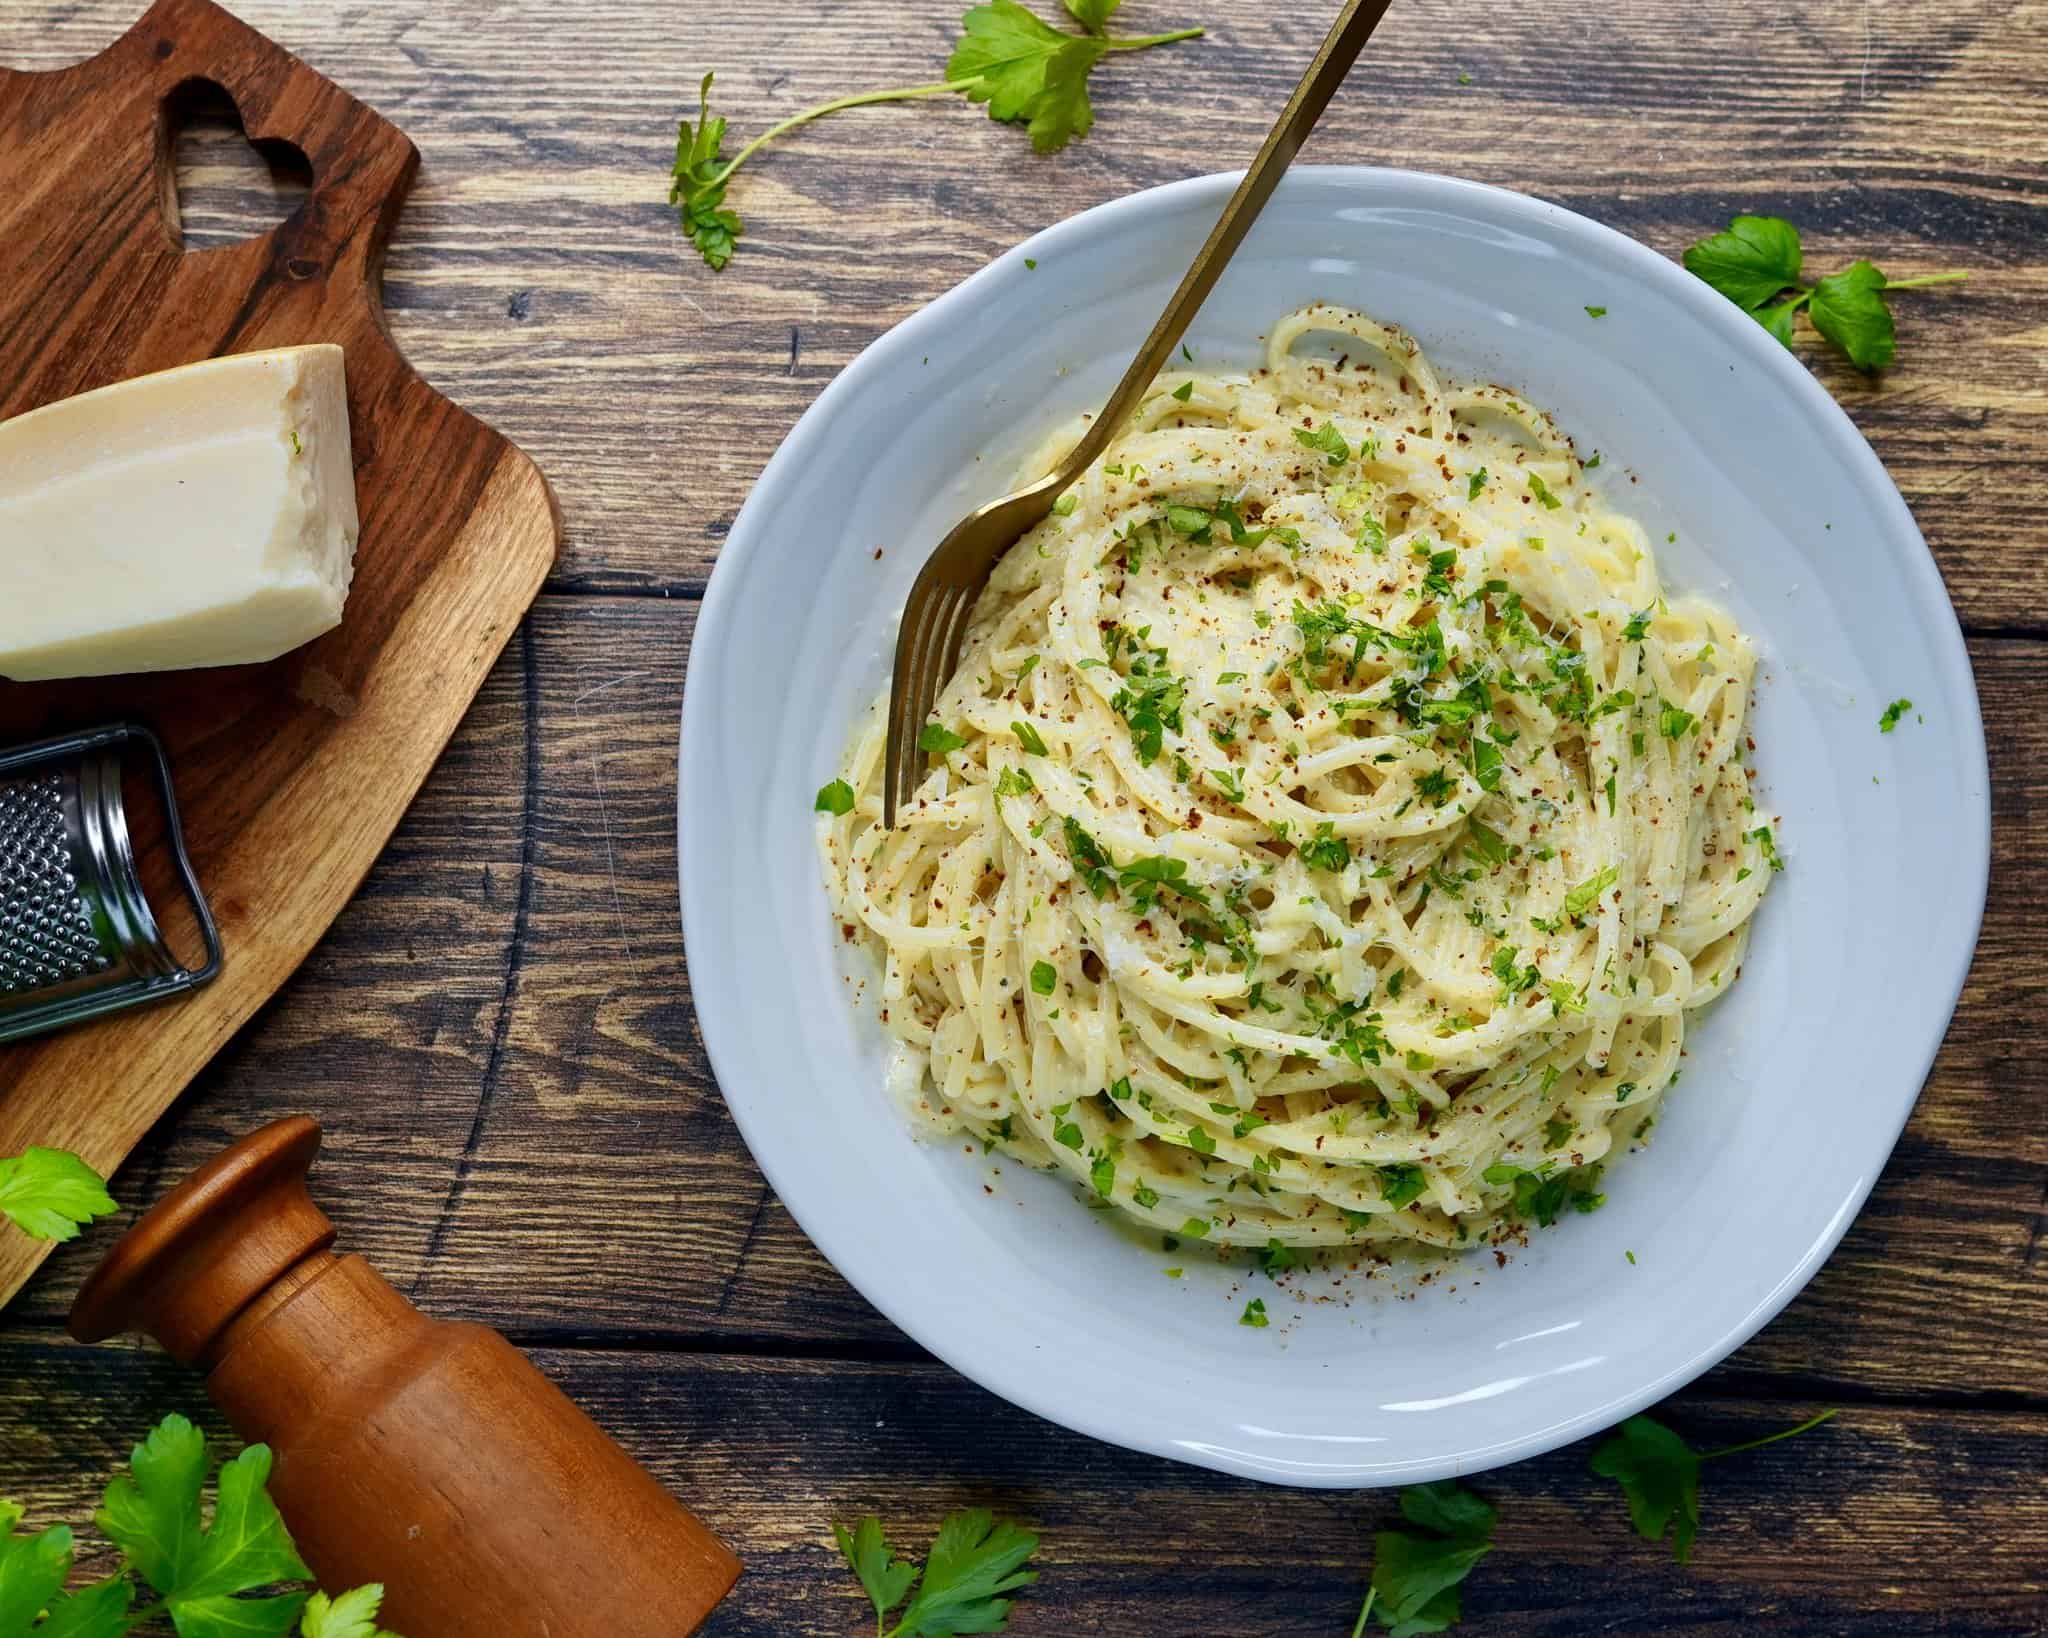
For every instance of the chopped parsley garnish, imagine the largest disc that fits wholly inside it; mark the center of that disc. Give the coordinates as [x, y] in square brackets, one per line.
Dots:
[1437, 785]
[1543, 1193]
[1892, 713]
[1596, 312]
[1044, 977]
[1541, 491]
[835, 798]
[1089, 860]
[1488, 846]
[1514, 980]
[937, 739]
[1400, 1183]
[1583, 897]
[1764, 839]
[1325, 850]
[1638, 626]
[1674, 722]
[1327, 439]
[1150, 701]
[1474, 484]
[1229, 781]
[1027, 736]
[1184, 391]
[1254, 1314]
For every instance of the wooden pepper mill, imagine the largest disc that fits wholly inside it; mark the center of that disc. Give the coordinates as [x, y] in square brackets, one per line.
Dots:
[427, 1455]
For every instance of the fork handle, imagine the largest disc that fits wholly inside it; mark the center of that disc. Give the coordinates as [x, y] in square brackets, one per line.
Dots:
[1340, 50]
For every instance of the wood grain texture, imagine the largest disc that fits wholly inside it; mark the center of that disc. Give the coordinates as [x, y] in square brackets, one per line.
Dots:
[1891, 1519]
[291, 774]
[538, 266]
[497, 1031]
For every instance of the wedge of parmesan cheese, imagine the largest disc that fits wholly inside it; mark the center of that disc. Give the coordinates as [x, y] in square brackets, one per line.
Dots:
[204, 516]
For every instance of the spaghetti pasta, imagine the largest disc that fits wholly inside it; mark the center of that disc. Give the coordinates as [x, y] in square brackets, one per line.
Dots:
[1332, 823]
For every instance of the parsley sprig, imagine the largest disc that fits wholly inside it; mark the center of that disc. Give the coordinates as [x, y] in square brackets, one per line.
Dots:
[212, 1578]
[975, 1562]
[1660, 1474]
[1416, 1574]
[49, 1194]
[1025, 71]
[1758, 259]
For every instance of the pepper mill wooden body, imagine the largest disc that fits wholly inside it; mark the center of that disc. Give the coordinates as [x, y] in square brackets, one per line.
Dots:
[425, 1454]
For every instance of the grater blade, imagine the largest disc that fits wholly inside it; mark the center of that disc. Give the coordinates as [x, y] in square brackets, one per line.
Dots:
[46, 933]
[78, 938]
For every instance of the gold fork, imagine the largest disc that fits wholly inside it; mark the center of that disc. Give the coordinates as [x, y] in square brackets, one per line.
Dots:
[935, 618]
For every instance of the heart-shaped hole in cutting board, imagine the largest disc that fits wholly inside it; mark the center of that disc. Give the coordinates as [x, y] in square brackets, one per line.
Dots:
[225, 187]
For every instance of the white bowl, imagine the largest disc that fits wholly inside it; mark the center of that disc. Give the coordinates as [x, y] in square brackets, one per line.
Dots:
[1797, 1084]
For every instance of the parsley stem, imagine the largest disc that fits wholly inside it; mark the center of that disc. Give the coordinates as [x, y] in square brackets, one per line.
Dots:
[1769, 1438]
[1923, 280]
[838, 105]
[1370, 1594]
[1147, 41]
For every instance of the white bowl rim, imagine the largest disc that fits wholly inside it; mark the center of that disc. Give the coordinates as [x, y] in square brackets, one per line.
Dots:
[1005, 1374]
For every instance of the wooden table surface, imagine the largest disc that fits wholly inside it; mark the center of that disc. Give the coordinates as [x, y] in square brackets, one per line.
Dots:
[498, 1033]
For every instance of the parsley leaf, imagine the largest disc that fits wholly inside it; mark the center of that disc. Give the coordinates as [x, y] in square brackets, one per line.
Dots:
[1892, 713]
[49, 1193]
[352, 1615]
[974, 1562]
[1027, 736]
[1415, 1577]
[1093, 15]
[1254, 1314]
[886, 1579]
[937, 739]
[1026, 71]
[1044, 978]
[200, 1570]
[1659, 1473]
[1541, 491]
[33, 1570]
[1474, 484]
[1750, 263]
[835, 798]
[1848, 309]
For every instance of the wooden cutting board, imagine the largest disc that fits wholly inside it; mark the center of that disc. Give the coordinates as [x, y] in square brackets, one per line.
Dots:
[291, 775]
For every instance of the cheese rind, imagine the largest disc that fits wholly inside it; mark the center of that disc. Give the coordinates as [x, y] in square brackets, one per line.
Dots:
[204, 516]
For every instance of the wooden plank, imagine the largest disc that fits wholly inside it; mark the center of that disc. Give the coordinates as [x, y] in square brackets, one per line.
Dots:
[523, 1127]
[537, 274]
[1904, 1519]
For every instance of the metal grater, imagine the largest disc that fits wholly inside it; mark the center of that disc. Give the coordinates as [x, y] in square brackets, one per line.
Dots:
[77, 937]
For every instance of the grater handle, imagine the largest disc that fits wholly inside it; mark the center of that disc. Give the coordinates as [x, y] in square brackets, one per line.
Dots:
[188, 878]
